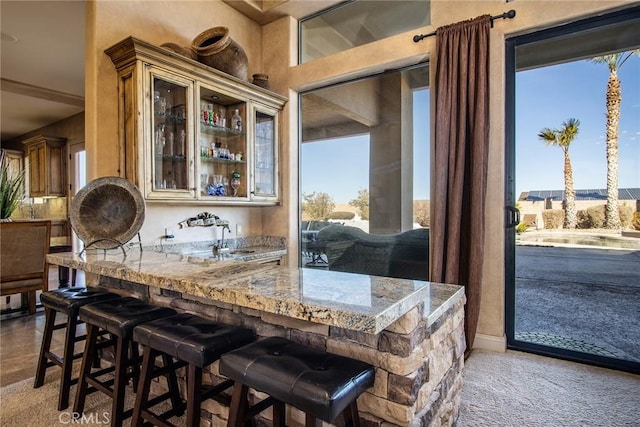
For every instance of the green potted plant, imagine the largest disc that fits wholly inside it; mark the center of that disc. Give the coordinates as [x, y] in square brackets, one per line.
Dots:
[11, 188]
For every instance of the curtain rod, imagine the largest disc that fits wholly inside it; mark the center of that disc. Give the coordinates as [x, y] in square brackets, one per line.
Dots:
[507, 15]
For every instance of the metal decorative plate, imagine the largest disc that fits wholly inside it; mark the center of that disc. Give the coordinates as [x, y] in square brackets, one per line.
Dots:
[107, 212]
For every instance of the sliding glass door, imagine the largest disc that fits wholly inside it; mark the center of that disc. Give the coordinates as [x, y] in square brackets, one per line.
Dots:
[572, 191]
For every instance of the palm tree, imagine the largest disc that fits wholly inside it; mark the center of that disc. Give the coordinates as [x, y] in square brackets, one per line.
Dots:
[563, 138]
[614, 98]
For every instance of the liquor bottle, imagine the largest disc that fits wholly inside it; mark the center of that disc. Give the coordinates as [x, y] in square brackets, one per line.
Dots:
[236, 121]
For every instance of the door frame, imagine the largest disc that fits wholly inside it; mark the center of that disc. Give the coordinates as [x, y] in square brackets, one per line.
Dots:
[72, 150]
[511, 213]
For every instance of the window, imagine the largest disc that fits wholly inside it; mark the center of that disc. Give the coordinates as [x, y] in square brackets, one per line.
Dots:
[365, 167]
[357, 23]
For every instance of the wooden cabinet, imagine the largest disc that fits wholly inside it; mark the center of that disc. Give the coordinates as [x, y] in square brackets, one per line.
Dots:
[193, 133]
[14, 161]
[46, 163]
[59, 228]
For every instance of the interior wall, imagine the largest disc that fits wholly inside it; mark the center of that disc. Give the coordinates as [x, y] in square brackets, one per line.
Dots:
[400, 50]
[71, 128]
[157, 22]
[279, 51]
[272, 49]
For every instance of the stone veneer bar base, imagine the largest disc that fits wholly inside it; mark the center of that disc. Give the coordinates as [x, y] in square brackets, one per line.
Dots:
[418, 359]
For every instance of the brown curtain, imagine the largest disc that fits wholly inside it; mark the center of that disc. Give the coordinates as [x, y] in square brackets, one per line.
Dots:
[461, 148]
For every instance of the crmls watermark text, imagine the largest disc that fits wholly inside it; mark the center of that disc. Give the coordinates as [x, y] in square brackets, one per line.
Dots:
[94, 418]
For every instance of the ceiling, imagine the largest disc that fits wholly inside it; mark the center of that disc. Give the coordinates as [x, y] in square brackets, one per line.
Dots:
[42, 56]
[42, 64]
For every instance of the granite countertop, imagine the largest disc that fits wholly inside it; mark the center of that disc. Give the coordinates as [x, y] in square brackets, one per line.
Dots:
[351, 301]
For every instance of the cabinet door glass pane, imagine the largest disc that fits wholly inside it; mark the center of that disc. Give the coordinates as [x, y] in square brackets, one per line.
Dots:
[169, 126]
[265, 154]
[223, 162]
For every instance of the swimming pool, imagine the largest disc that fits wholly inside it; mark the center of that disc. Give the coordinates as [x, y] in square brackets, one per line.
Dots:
[570, 239]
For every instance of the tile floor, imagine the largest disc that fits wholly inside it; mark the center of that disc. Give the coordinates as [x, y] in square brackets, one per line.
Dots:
[21, 337]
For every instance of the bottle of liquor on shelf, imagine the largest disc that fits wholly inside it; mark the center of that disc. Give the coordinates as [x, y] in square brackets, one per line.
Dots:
[236, 121]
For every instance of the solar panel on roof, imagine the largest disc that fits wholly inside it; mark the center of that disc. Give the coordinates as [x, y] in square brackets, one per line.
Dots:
[591, 194]
[631, 194]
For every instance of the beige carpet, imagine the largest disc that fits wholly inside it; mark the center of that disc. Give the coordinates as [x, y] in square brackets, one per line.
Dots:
[512, 389]
[21, 405]
[521, 389]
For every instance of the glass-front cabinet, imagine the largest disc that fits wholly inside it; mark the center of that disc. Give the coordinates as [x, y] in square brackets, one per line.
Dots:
[266, 159]
[223, 146]
[194, 134]
[168, 149]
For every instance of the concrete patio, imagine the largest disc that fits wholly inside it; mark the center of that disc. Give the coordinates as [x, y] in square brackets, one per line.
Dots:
[579, 298]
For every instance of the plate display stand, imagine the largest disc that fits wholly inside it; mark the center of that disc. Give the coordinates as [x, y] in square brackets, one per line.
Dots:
[116, 244]
[107, 213]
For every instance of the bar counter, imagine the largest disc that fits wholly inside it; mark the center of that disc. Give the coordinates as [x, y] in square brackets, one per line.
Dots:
[411, 331]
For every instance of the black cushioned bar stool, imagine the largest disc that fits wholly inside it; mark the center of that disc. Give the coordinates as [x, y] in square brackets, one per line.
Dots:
[194, 342]
[321, 384]
[66, 301]
[118, 317]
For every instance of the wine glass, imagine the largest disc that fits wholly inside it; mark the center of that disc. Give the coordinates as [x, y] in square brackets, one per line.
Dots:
[204, 182]
[225, 184]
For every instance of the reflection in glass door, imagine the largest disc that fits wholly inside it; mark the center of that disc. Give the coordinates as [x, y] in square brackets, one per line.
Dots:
[572, 278]
[364, 174]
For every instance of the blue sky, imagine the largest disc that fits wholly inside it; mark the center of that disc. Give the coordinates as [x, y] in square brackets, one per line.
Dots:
[340, 167]
[545, 97]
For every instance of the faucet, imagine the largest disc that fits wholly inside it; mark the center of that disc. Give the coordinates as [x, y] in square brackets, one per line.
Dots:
[221, 246]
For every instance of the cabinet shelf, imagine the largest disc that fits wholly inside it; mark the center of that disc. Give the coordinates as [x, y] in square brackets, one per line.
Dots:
[221, 161]
[219, 130]
[169, 118]
[169, 157]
